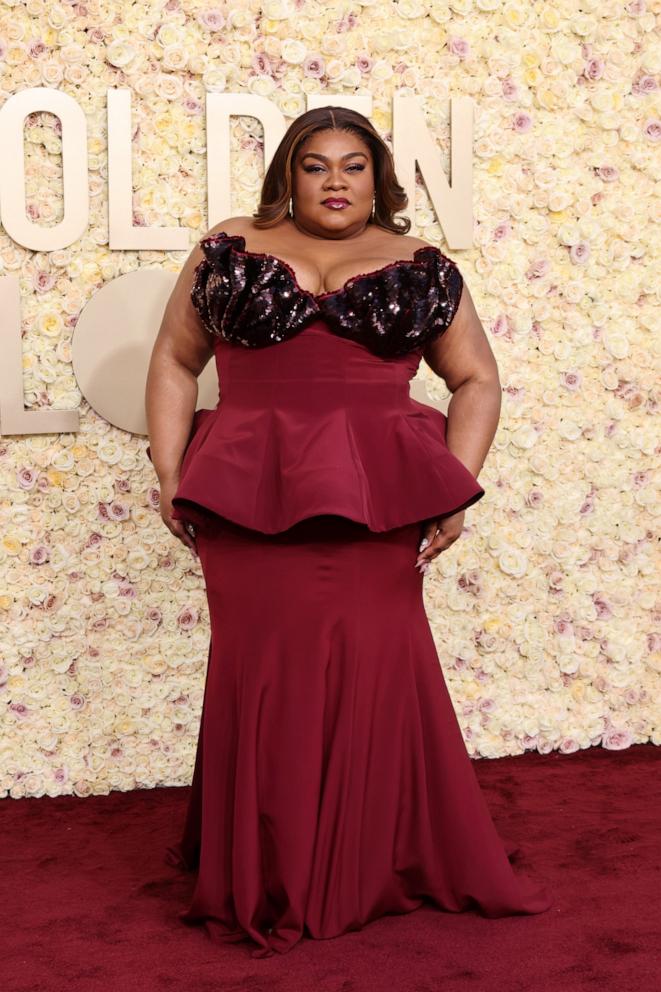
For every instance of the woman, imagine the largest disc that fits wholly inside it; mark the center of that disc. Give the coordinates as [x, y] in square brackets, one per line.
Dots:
[332, 784]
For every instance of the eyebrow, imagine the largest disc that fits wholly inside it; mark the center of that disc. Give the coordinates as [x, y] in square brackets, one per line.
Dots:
[324, 158]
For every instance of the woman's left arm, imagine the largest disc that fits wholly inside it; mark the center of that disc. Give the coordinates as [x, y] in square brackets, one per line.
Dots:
[463, 358]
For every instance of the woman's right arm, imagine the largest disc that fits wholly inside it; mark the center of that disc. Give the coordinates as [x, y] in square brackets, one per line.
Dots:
[182, 348]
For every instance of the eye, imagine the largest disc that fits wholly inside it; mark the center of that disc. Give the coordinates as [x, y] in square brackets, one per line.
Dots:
[314, 168]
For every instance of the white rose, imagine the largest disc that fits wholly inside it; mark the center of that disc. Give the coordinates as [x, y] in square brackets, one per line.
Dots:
[169, 87]
[292, 106]
[616, 344]
[382, 70]
[215, 79]
[169, 34]
[524, 437]
[139, 559]
[52, 73]
[109, 452]
[174, 57]
[276, 10]
[293, 51]
[261, 85]
[49, 322]
[76, 74]
[511, 561]
[120, 53]
[568, 429]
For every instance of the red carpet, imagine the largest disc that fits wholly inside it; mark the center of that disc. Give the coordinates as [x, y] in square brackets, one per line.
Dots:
[88, 903]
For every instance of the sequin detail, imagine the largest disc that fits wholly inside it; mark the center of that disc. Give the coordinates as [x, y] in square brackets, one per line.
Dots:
[254, 299]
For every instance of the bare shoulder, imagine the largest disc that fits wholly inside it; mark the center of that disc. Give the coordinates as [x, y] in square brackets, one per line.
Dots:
[232, 225]
[401, 245]
[412, 243]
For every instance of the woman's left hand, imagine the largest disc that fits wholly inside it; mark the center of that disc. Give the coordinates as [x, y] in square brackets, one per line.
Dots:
[439, 535]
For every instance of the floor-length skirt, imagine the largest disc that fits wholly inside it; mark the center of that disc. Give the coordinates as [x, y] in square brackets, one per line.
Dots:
[332, 784]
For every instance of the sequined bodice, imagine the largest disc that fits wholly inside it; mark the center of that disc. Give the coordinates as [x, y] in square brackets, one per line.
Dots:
[254, 299]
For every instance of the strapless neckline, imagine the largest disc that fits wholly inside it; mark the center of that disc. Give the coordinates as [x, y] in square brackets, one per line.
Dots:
[347, 284]
[254, 298]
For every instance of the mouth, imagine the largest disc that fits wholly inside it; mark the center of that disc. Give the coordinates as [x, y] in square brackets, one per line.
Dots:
[335, 202]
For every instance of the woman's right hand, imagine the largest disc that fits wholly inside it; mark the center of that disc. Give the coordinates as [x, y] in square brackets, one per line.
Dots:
[168, 488]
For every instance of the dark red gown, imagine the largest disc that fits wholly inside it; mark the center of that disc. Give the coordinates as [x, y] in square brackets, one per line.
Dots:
[332, 784]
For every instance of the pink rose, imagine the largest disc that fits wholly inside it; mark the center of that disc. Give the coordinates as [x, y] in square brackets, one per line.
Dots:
[607, 173]
[314, 67]
[616, 740]
[459, 47]
[579, 253]
[602, 607]
[571, 380]
[521, 122]
[652, 129]
[188, 618]
[36, 48]
[538, 268]
[39, 555]
[26, 478]
[593, 69]
[126, 590]
[644, 84]
[261, 64]
[510, 89]
[212, 18]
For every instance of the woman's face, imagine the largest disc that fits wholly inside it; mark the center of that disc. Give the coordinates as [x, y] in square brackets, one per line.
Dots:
[333, 165]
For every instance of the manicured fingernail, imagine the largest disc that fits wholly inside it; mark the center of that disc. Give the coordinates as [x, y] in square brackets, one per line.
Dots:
[423, 544]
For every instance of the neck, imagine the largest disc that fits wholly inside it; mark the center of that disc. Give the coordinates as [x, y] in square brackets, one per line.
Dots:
[332, 235]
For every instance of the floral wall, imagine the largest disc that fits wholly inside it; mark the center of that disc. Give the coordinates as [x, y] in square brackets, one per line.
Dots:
[546, 611]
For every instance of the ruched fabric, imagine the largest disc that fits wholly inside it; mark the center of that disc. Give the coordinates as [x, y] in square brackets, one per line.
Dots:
[319, 425]
[254, 298]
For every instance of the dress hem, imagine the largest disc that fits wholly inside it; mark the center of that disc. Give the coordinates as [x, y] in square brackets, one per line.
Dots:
[196, 512]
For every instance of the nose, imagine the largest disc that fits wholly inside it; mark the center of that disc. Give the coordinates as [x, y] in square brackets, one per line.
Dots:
[335, 181]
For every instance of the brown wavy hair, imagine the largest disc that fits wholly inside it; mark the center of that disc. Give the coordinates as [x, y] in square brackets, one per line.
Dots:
[277, 185]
